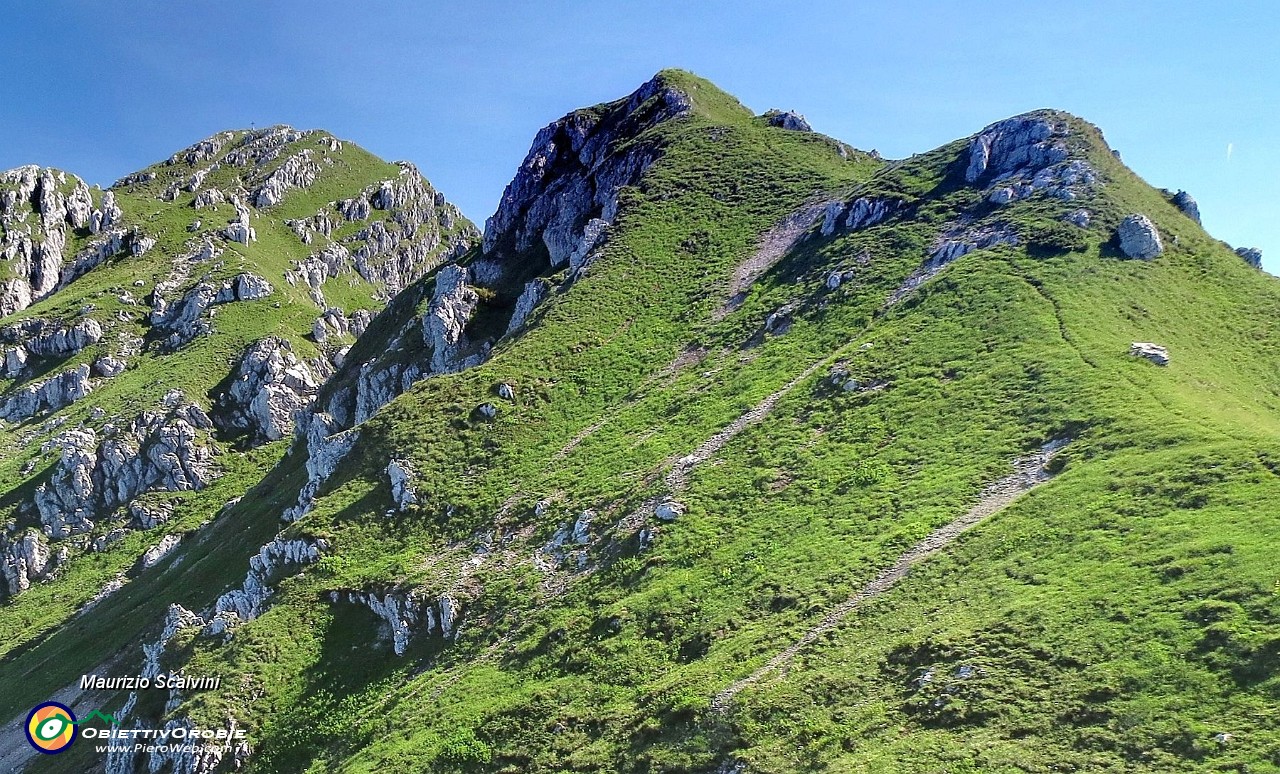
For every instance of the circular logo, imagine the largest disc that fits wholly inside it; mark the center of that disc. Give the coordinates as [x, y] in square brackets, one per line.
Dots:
[51, 727]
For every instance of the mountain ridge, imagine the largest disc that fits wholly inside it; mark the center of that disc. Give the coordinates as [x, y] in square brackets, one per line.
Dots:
[574, 530]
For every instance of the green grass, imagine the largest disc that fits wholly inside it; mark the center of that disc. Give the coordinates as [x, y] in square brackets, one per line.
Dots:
[1117, 618]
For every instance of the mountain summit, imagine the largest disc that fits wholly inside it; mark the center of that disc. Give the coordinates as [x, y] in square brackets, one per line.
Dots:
[727, 447]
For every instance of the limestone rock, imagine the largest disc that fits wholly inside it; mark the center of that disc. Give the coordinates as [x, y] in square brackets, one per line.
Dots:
[787, 119]
[405, 614]
[23, 560]
[269, 387]
[44, 338]
[326, 446]
[1139, 237]
[533, 294]
[1031, 141]
[49, 395]
[1251, 256]
[152, 556]
[1153, 352]
[444, 325]
[669, 510]
[271, 562]
[109, 366]
[487, 410]
[1080, 218]
[401, 475]
[1185, 202]
[572, 174]
[155, 452]
[240, 228]
[957, 242]
[297, 171]
[506, 391]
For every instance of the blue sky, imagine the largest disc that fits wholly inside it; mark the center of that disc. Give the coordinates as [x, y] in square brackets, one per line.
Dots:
[102, 89]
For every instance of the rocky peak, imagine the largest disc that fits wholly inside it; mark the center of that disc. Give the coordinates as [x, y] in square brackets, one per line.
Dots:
[572, 175]
[1033, 140]
[787, 119]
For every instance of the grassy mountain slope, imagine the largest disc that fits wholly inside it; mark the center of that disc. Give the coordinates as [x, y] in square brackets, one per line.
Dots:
[1117, 618]
[119, 294]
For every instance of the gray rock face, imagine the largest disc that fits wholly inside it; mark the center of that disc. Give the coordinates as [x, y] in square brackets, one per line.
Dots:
[955, 243]
[406, 614]
[153, 555]
[1153, 352]
[420, 232]
[240, 228]
[1139, 237]
[185, 319]
[1028, 141]
[23, 560]
[335, 322]
[1080, 218]
[155, 452]
[1185, 202]
[44, 338]
[212, 197]
[109, 366]
[444, 325]
[533, 294]
[326, 446]
[788, 119]
[270, 386]
[273, 561]
[297, 171]
[401, 475]
[1251, 256]
[860, 213]
[49, 395]
[572, 174]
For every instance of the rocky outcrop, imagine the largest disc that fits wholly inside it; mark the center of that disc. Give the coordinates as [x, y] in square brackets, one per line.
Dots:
[419, 232]
[274, 560]
[401, 475]
[240, 228]
[960, 241]
[24, 560]
[1251, 256]
[859, 213]
[153, 555]
[1153, 352]
[787, 119]
[326, 444]
[49, 395]
[335, 323]
[572, 175]
[444, 325]
[37, 337]
[154, 452]
[297, 171]
[533, 294]
[406, 614]
[268, 388]
[186, 318]
[1139, 238]
[1185, 202]
[1031, 141]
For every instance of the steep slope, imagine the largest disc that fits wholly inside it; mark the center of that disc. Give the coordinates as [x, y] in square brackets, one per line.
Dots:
[709, 458]
[159, 336]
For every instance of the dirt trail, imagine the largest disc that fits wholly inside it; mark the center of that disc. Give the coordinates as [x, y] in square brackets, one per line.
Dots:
[775, 243]
[1028, 472]
[16, 752]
